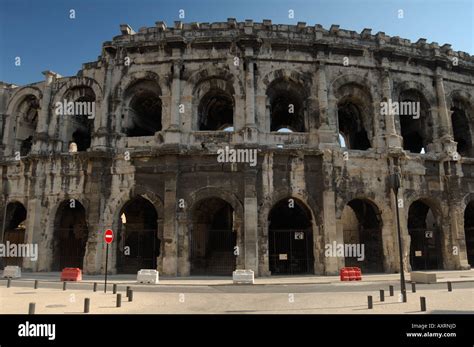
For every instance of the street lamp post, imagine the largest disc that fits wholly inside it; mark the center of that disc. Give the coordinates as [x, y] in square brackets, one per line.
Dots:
[396, 183]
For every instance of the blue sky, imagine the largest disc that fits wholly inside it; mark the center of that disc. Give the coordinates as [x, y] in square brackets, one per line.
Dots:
[41, 33]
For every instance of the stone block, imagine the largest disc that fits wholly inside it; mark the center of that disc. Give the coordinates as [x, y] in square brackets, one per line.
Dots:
[243, 277]
[12, 272]
[148, 276]
[423, 277]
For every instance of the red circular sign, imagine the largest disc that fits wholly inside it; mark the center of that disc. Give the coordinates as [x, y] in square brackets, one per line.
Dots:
[108, 236]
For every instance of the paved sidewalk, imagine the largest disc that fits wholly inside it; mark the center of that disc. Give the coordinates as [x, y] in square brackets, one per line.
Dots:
[442, 276]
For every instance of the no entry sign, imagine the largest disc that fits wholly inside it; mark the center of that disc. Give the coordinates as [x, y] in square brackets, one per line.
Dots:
[108, 236]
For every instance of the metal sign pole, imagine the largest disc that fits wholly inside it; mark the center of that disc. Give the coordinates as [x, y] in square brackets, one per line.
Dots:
[106, 263]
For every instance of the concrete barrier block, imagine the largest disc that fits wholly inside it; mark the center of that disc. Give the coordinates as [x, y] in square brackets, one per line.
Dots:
[423, 277]
[12, 272]
[243, 277]
[148, 276]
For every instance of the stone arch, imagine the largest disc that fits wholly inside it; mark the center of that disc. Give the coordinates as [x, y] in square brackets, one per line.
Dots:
[291, 230]
[462, 121]
[211, 251]
[81, 128]
[22, 138]
[15, 227]
[234, 82]
[362, 225]
[417, 131]
[355, 111]
[142, 108]
[209, 192]
[427, 252]
[290, 75]
[263, 236]
[19, 94]
[118, 101]
[287, 104]
[70, 237]
[112, 214]
[214, 104]
[400, 86]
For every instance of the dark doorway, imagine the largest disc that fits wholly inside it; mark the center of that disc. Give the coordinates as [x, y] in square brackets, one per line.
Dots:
[145, 109]
[469, 232]
[290, 239]
[138, 243]
[351, 126]
[425, 249]
[216, 111]
[461, 129]
[70, 236]
[15, 230]
[362, 226]
[416, 129]
[286, 102]
[213, 238]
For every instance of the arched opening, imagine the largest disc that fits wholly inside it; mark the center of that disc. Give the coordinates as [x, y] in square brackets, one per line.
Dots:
[425, 246]
[362, 235]
[138, 244]
[216, 111]
[461, 129]
[469, 232]
[351, 125]
[144, 109]
[27, 120]
[70, 235]
[80, 122]
[290, 238]
[213, 238]
[286, 100]
[414, 121]
[15, 227]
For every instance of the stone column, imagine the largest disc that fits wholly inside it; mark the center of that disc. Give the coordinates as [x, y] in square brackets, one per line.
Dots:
[250, 221]
[172, 130]
[444, 130]
[456, 251]
[101, 132]
[249, 91]
[328, 132]
[393, 140]
[42, 128]
[330, 235]
[33, 222]
[170, 235]
[250, 134]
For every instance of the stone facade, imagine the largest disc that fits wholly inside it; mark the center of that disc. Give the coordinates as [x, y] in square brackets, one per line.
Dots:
[163, 97]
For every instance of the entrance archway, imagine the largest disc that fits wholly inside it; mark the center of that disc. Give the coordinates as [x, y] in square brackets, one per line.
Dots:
[138, 243]
[14, 230]
[362, 226]
[70, 235]
[213, 238]
[425, 246]
[469, 232]
[290, 238]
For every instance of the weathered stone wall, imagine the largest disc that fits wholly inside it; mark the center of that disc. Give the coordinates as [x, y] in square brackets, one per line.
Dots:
[245, 60]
